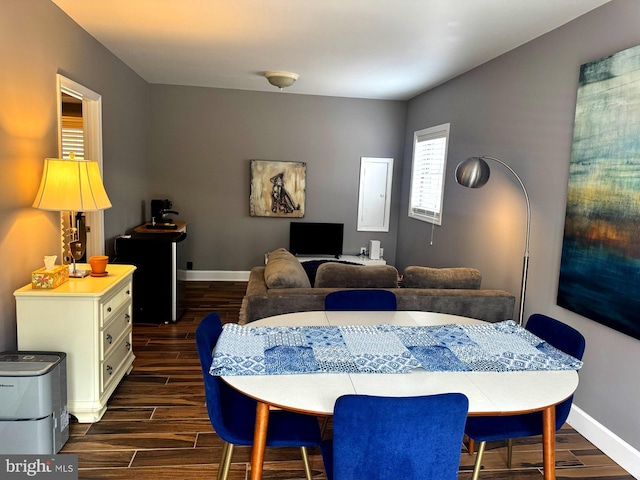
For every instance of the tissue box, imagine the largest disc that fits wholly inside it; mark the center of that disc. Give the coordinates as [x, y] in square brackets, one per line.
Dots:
[53, 278]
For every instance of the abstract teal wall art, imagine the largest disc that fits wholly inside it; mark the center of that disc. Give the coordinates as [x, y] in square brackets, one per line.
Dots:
[600, 266]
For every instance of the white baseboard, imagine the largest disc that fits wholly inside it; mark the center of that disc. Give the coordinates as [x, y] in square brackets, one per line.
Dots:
[213, 275]
[612, 445]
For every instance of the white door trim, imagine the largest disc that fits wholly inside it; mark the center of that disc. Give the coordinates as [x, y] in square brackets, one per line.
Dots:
[92, 124]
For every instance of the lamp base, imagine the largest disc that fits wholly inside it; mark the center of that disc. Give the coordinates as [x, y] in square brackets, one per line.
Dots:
[78, 273]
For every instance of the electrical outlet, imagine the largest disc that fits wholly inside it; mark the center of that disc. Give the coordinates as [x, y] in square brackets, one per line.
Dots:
[363, 250]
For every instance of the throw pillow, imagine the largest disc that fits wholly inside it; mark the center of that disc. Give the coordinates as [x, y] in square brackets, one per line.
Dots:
[283, 270]
[311, 267]
[426, 277]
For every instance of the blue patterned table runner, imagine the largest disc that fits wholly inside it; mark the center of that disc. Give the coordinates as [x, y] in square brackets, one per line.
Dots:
[492, 347]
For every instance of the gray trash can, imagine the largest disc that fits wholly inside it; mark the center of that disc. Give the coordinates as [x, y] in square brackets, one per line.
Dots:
[33, 402]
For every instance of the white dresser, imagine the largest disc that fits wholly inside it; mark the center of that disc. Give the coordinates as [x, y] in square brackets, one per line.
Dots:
[90, 320]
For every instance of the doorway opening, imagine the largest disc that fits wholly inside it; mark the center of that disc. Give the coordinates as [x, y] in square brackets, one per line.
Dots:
[80, 136]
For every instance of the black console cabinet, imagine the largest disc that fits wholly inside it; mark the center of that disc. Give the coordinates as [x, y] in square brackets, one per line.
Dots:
[158, 293]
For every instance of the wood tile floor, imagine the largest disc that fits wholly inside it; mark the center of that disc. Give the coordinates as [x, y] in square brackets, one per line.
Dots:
[156, 426]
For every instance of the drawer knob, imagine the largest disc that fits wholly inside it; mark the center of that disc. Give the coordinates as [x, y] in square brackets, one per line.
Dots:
[109, 338]
[109, 369]
[128, 292]
[128, 344]
[109, 309]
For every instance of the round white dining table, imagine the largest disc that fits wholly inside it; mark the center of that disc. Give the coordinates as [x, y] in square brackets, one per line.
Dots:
[489, 393]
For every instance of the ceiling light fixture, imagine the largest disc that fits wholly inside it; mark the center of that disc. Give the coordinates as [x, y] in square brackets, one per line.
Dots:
[281, 79]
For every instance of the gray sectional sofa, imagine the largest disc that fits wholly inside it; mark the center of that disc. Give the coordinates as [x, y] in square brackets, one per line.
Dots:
[283, 286]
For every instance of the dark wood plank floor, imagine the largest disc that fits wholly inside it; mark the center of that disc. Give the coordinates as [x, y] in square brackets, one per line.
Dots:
[156, 426]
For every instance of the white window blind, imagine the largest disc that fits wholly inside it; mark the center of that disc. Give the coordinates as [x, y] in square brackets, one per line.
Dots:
[72, 137]
[427, 173]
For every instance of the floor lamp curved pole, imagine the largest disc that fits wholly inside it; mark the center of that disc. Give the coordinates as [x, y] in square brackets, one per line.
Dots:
[474, 172]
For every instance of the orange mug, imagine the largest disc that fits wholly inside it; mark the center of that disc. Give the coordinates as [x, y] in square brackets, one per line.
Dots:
[98, 264]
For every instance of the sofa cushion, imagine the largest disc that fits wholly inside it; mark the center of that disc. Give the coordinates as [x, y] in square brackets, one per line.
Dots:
[426, 277]
[338, 275]
[283, 270]
[311, 267]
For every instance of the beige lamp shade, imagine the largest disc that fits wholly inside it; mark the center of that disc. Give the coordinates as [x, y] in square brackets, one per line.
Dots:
[71, 185]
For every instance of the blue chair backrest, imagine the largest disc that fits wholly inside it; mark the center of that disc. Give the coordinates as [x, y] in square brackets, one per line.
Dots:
[558, 334]
[231, 413]
[409, 438]
[368, 299]
[564, 338]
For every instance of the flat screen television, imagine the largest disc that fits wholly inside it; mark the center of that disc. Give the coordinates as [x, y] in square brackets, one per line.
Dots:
[306, 238]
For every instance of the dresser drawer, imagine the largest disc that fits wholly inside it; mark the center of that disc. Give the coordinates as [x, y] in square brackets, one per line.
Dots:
[119, 322]
[111, 305]
[110, 367]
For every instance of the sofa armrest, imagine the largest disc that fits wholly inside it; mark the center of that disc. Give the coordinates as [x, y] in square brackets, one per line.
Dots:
[255, 293]
[256, 284]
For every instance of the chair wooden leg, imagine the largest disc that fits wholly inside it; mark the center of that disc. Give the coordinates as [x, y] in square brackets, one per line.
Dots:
[471, 446]
[305, 459]
[325, 421]
[225, 461]
[478, 464]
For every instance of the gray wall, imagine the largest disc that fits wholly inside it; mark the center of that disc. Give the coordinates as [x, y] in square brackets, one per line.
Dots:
[520, 108]
[37, 40]
[201, 143]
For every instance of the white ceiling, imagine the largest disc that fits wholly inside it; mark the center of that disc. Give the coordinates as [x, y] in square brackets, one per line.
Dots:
[383, 49]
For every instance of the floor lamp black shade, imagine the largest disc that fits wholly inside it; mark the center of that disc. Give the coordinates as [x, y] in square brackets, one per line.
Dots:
[474, 172]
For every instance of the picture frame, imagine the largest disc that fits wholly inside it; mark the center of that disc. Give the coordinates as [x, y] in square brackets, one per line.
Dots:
[278, 189]
[601, 247]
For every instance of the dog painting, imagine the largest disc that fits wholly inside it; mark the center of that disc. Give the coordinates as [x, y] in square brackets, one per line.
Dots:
[277, 189]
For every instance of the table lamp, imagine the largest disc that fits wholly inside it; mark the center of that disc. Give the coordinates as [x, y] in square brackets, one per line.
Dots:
[474, 172]
[72, 186]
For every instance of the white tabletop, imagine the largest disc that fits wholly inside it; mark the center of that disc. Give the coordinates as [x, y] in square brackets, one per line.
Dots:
[488, 392]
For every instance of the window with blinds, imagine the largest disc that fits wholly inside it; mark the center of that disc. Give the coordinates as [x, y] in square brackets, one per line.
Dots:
[427, 173]
[72, 137]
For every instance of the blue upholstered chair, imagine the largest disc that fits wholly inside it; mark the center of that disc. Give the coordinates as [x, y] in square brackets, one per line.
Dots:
[388, 438]
[233, 414]
[369, 299]
[484, 429]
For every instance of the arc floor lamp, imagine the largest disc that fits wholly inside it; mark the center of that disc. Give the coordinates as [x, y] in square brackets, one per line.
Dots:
[474, 172]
